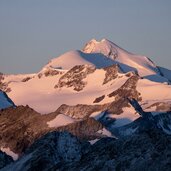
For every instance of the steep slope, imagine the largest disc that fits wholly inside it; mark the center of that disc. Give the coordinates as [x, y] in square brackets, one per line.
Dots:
[62, 151]
[21, 126]
[72, 58]
[5, 101]
[48, 90]
[73, 79]
[127, 60]
[105, 53]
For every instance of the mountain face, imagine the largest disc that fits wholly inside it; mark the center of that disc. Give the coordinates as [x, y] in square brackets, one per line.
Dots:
[83, 108]
[62, 151]
[5, 101]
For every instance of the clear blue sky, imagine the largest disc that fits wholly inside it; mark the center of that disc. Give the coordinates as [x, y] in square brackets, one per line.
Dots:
[34, 31]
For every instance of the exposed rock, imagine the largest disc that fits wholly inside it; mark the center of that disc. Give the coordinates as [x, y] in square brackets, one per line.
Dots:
[146, 151]
[80, 111]
[111, 73]
[160, 122]
[127, 90]
[99, 99]
[160, 106]
[84, 129]
[26, 79]
[40, 75]
[75, 77]
[4, 86]
[52, 72]
[55, 148]
[149, 150]
[21, 126]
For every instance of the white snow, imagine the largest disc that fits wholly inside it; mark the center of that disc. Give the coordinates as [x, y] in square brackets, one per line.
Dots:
[40, 94]
[153, 91]
[105, 132]
[67, 60]
[126, 117]
[60, 120]
[93, 141]
[9, 152]
[127, 60]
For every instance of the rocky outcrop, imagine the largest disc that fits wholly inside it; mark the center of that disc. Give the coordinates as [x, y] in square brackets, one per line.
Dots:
[26, 79]
[84, 129]
[160, 107]
[21, 126]
[147, 120]
[149, 150]
[75, 77]
[49, 72]
[127, 90]
[134, 153]
[4, 86]
[55, 148]
[111, 73]
[99, 99]
[80, 111]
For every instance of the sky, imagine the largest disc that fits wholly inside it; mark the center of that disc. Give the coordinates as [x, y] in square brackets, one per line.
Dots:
[34, 31]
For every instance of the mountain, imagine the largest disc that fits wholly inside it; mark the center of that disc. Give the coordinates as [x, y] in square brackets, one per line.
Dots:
[73, 78]
[99, 96]
[104, 53]
[63, 151]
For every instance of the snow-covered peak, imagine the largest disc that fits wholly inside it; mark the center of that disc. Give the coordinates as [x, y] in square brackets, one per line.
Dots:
[105, 53]
[67, 60]
[104, 46]
[127, 60]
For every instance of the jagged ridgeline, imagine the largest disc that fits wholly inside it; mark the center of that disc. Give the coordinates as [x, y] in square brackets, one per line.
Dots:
[99, 108]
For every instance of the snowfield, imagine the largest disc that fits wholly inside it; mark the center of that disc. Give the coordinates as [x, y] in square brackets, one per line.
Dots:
[39, 92]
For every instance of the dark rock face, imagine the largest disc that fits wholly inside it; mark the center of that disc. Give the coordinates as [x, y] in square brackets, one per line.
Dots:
[84, 129]
[160, 122]
[111, 73]
[128, 89]
[80, 111]
[4, 159]
[55, 148]
[21, 126]
[161, 106]
[52, 72]
[74, 77]
[150, 150]
[49, 72]
[134, 153]
[26, 79]
[99, 99]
